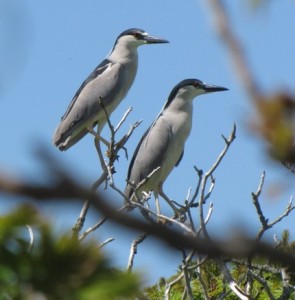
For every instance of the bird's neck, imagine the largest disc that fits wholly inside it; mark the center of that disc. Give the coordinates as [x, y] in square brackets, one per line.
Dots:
[181, 104]
[124, 53]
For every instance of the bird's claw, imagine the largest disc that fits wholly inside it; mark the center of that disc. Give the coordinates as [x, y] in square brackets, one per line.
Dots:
[180, 215]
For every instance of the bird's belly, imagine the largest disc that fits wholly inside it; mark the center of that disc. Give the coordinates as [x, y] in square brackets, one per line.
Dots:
[178, 137]
[171, 158]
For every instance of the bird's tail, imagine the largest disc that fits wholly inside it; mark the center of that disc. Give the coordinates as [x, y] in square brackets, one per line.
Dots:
[65, 140]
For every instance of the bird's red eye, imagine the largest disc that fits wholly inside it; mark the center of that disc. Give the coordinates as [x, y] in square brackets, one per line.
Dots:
[196, 84]
[137, 35]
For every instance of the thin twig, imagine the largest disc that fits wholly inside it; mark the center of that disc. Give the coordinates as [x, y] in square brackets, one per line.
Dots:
[171, 284]
[129, 110]
[264, 268]
[209, 214]
[203, 284]
[233, 285]
[255, 199]
[108, 169]
[200, 276]
[91, 229]
[289, 208]
[265, 225]
[98, 224]
[208, 175]
[187, 279]
[107, 241]
[120, 145]
[144, 181]
[264, 284]
[200, 177]
[81, 219]
[133, 250]
[67, 189]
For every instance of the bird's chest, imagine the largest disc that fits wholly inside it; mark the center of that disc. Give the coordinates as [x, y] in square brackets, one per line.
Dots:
[178, 131]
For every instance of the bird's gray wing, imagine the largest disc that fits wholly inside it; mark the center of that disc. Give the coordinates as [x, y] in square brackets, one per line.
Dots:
[102, 82]
[147, 157]
[95, 73]
[150, 152]
[135, 153]
[180, 158]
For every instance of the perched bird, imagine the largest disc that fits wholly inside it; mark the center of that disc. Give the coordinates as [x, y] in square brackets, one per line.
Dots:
[107, 84]
[162, 146]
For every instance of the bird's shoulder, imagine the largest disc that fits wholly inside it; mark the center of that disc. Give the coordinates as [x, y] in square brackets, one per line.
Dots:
[99, 70]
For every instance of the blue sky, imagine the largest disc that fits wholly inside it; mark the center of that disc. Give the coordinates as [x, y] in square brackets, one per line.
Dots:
[49, 48]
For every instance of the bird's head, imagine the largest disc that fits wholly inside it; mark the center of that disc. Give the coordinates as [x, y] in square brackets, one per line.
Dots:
[136, 37]
[191, 88]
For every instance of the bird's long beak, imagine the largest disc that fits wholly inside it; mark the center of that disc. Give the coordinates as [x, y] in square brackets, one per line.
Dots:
[210, 88]
[154, 40]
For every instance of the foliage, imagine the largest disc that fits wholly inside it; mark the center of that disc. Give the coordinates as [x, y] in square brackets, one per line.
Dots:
[55, 267]
[261, 275]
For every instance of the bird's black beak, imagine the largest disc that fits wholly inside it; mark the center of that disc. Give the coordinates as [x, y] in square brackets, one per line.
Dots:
[210, 88]
[154, 40]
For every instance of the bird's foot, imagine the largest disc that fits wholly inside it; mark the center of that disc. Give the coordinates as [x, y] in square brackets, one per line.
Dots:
[112, 155]
[179, 214]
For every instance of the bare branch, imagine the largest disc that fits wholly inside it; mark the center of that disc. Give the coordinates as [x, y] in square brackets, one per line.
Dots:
[109, 240]
[208, 175]
[231, 282]
[209, 214]
[66, 189]
[187, 281]
[264, 284]
[133, 250]
[265, 225]
[91, 229]
[108, 169]
[129, 110]
[126, 137]
[289, 208]
[171, 284]
[200, 177]
[255, 199]
[203, 285]
[81, 219]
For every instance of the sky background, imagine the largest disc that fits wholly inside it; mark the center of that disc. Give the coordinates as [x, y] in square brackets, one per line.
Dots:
[47, 50]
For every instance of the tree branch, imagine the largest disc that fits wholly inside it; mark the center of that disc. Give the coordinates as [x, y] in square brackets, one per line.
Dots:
[133, 250]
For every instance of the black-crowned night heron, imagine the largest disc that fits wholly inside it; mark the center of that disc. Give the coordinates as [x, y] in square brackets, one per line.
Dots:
[103, 90]
[162, 146]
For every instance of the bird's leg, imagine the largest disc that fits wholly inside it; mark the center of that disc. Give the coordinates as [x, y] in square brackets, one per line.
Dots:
[98, 136]
[157, 202]
[177, 211]
[104, 141]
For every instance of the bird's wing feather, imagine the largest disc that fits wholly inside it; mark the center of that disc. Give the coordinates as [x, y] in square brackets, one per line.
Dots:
[135, 153]
[96, 72]
[150, 152]
[85, 105]
[144, 137]
[180, 158]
